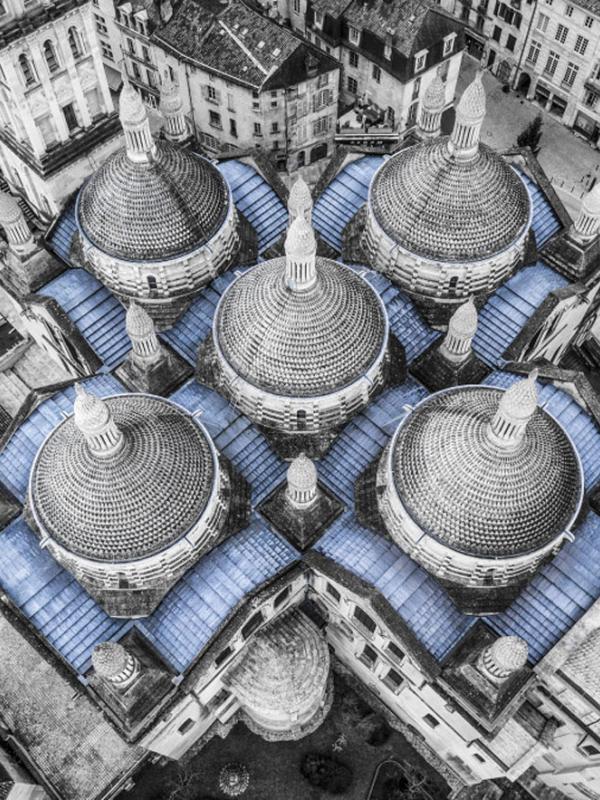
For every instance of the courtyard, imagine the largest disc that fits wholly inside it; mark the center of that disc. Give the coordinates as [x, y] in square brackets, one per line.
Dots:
[352, 733]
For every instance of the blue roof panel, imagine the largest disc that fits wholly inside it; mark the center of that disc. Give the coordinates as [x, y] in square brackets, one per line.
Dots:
[63, 233]
[545, 223]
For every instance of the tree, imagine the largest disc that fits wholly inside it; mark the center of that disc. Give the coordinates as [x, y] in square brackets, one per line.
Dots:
[326, 773]
[531, 134]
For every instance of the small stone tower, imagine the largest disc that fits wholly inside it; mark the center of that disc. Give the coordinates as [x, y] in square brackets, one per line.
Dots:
[515, 409]
[93, 418]
[300, 256]
[470, 113]
[113, 663]
[136, 125]
[575, 252]
[432, 106]
[176, 127]
[500, 660]
[300, 203]
[302, 482]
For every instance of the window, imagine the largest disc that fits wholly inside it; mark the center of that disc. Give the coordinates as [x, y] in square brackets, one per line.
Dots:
[364, 619]
[136, 71]
[106, 50]
[321, 125]
[223, 656]
[214, 119]
[590, 99]
[145, 53]
[211, 93]
[333, 592]
[50, 55]
[152, 284]
[387, 52]
[376, 73]
[534, 51]
[230, 103]
[185, 726]
[274, 127]
[282, 597]
[420, 60]
[497, 33]
[352, 58]
[318, 19]
[353, 35]
[412, 115]
[70, 117]
[542, 22]
[368, 656]
[569, 11]
[101, 24]
[590, 750]
[448, 45]
[581, 44]
[570, 74]
[393, 650]
[301, 420]
[27, 70]
[233, 128]
[551, 63]
[296, 6]
[416, 88]
[130, 46]
[561, 33]
[393, 680]
[510, 42]
[252, 624]
[589, 21]
[479, 758]
[352, 85]
[431, 720]
[75, 42]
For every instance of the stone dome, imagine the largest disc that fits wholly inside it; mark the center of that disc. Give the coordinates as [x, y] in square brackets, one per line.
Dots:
[10, 210]
[302, 473]
[109, 659]
[509, 653]
[478, 496]
[300, 343]
[153, 210]
[133, 500]
[442, 208]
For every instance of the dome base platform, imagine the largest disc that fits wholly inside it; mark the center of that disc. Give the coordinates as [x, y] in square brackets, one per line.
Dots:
[436, 372]
[161, 378]
[23, 275]
[483, 600]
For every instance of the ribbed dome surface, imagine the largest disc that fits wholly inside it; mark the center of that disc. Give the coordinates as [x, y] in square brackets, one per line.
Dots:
[300, 344]
[148, 211]
[135, 503]
[474, 496]
[448, 210]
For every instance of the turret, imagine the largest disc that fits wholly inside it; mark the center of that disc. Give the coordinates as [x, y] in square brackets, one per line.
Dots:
[470, 113]
[300, 201]
[19, 236]
[171, 107]
[462, 327]
[136, 125]
[432, 106]
[301, 256]
[94, 420]
[517, 406]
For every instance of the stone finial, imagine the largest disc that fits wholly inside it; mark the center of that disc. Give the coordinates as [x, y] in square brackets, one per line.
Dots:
[300, 256]
[18, 233]
[301, 482]
[93, 418]
[516, 407]
[300, 202]
[136, 125]
[503, 658]
[432, 106]
[140, 329]
[113, 663]
[461, 330]
[470, 113]
[171, 108]
[587, 225]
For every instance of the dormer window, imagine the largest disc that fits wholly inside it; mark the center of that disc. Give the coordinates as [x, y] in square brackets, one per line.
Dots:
[353, 35]
[420, 60]
[449, 44]
[318, 19]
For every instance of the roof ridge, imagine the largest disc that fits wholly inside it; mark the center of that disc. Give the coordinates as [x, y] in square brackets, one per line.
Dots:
[243, 47]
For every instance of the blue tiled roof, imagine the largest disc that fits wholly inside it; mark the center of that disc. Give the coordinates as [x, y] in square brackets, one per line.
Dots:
[545, 223]
[18, 455]
[558, 595]
[95, 311]
[504, 315]
[62, 234]
[51, 598]
[364, 437]
[210, 592]
[342, 198]
[416, 596]
[579, 425]
[256, 200]
[195, 325]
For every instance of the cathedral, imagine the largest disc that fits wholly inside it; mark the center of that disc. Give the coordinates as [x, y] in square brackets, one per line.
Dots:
[284, 431]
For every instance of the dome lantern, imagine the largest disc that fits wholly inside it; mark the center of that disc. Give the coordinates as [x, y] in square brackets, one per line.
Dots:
[434, 100]
[302, 482]
[171, 108]
[470, 113]
[300, 201]
[517, 406]
[140, 329]
[136, 125]
[113, 663]
[587, 225]
[18, 233]
[503, 658]
[461, 330]
[300, 256]
[94, 419]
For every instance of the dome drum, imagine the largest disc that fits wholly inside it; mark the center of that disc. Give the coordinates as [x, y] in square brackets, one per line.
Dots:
[125, 554]
[480, 518]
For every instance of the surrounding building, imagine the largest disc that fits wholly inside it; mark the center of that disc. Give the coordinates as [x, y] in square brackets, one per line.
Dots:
[340, 443]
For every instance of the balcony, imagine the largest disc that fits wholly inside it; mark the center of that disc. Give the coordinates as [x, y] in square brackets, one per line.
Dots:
[592, 82]
[367, 126]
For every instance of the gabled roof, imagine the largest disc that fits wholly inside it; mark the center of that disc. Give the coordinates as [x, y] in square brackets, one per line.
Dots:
[238, 42]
